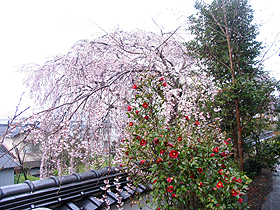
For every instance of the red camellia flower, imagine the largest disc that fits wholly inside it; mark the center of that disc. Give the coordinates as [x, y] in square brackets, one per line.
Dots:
[138, 137]
[159, 160]
[179, 138]
[212, 154]
[223, 154]
[170, 189]
[136, 111]
[164, 84]
[173, 154]
[223, 166]
[220, 171]
[131, 124]
[192, 175]
[233, 192]
[143, 142]
[240, 200]
[225, 141]
[169, 180]
[173, 195]
[196, 123]
[142, 162]
[219, 184]
[145, 105]
[126, 153]
[129, 108]
[134, 86]
[200, 184]
[162, 151]
[200, 170]
[216, 150]
[233, 179]
[239, 180]
[156, 140]
[171, 145]
[161, 79]
[146, 117]
[121, 165]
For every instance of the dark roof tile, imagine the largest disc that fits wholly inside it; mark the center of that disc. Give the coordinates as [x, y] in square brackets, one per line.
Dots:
[76, 191]
[44, 183]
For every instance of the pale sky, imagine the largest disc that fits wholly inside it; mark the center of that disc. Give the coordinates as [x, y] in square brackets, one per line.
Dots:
[34, 30]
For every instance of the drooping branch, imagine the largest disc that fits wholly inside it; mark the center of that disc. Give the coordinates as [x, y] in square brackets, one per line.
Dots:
[73, 89]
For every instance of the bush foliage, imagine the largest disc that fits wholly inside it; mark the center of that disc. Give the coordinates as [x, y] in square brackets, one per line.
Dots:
[186, 159]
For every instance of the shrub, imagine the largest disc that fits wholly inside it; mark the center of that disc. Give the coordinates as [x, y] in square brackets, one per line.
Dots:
[185, 158]
[253, 167]
[267, 157]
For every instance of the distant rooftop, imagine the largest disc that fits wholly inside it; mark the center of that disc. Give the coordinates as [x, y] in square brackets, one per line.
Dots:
[4, 121]
[18, 130]
[7, 159]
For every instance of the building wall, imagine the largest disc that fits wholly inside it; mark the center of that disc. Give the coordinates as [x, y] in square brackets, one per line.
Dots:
[6, 177]
[28, 151]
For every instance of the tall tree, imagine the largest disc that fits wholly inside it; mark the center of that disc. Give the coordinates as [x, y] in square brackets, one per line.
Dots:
[225, 47]
[87, 91]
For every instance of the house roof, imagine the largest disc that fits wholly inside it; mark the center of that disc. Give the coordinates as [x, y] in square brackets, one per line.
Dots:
[7, 159]
[16, 131]
[76, 191]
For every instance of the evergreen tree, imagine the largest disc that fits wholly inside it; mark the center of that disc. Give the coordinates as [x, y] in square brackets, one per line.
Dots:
[225, 48]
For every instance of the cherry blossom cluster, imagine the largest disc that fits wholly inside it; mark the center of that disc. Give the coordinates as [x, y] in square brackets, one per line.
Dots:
[84, 93]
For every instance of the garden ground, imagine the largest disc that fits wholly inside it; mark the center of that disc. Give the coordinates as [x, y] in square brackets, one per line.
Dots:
[260, 187]
[264, 192]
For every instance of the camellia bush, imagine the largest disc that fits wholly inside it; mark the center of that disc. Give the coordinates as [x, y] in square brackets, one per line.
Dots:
[186, 158]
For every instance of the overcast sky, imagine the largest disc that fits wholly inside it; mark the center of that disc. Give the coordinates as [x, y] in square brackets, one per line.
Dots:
[34, 30]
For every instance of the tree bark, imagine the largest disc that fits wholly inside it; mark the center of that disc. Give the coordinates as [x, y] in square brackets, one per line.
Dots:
[239, 135]
[235, 142]
[21, 163]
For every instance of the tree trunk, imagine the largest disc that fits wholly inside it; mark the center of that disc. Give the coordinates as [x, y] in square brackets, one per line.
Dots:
[237, 111]
[239, 136]
[235, 142]
[21, 163]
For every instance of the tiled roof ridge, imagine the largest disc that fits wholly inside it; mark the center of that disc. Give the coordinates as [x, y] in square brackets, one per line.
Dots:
[69, 192]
